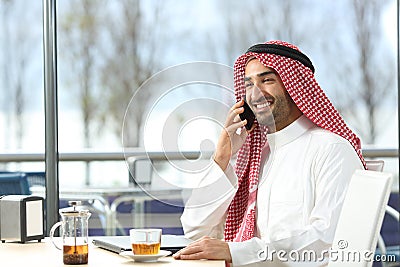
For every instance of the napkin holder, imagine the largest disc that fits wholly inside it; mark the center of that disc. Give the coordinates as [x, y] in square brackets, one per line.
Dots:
[21, 218]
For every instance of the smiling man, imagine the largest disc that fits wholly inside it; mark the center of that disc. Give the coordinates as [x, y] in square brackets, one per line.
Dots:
[283, 195]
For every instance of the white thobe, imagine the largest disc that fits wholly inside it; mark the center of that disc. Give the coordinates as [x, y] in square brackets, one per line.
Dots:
[300, 193]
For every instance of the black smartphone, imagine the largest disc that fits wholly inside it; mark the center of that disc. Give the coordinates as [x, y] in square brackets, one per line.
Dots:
[247, 115]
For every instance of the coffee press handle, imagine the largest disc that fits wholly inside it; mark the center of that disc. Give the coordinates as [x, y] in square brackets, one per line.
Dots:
[52, 230]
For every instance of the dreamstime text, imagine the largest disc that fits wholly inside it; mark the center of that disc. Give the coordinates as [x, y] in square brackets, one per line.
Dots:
[339, 255]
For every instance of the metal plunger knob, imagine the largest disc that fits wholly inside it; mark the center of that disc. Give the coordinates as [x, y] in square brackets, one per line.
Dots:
[74, 203]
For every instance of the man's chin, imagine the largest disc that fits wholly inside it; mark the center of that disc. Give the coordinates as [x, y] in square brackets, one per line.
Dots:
[266, 120]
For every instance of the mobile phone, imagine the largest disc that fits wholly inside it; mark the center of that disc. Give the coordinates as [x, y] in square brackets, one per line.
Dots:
[247, 115]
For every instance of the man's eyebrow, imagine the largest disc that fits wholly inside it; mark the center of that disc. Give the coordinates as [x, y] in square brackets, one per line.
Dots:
[265, 73]
[260, 75]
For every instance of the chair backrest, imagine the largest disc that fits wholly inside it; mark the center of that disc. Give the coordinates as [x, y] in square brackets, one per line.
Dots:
[14, 184]
[375, 165]
[36, 179]
[140, 171]
[361, 219]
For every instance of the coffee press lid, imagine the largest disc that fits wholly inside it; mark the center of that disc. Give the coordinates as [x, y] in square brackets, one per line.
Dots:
[75, 210]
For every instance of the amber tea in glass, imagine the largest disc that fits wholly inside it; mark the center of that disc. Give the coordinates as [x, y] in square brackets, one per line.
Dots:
[146, 249]
[75, 254]
[145, 241]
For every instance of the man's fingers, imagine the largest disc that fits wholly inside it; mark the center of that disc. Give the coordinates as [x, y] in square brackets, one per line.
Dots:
[234, 115]
[236, 125]
[237, 119]
[237, 105]
[194, 256]
[192, 249]
[236, 109]
[205, 248]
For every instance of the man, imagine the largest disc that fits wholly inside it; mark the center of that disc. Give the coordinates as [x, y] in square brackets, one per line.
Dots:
[284, 196]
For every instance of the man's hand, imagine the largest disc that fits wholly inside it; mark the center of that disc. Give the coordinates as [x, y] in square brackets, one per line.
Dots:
[230, 140]
[205, 248]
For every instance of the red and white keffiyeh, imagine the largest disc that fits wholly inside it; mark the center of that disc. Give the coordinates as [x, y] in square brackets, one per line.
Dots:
[301, 85]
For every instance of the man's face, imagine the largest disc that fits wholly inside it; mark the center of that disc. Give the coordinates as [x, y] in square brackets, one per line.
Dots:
[267, 96]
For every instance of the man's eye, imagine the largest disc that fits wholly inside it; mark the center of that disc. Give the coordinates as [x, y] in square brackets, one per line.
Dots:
[248, 85]
[267, 80]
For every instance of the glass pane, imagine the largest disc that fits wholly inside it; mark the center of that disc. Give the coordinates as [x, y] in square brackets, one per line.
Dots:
[149, 76]
[21, 82]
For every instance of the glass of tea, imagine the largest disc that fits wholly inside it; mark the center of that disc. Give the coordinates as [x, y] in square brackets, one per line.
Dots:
[145, 241]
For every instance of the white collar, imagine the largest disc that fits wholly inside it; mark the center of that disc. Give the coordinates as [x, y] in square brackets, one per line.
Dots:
[290, 132]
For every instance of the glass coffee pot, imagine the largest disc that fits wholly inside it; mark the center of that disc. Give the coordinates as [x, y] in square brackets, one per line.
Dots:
[74, 233]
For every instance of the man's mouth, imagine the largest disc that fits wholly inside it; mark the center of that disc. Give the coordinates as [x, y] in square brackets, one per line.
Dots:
[262, 105]
[266, 104]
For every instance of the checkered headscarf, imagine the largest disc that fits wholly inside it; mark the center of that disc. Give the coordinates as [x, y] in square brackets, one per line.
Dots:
[297, 74]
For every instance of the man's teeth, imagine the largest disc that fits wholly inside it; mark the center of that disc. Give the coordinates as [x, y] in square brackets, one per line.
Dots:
[266, 104]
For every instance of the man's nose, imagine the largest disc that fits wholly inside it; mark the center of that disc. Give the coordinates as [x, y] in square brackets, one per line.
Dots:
[256, 92]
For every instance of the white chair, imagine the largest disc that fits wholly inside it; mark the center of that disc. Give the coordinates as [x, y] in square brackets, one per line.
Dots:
[361, 219]
[375, 165]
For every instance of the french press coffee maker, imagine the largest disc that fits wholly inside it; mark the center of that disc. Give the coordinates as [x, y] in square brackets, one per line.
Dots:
[74, 233]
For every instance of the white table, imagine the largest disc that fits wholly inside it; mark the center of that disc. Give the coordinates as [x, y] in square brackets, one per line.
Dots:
[34, 254]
